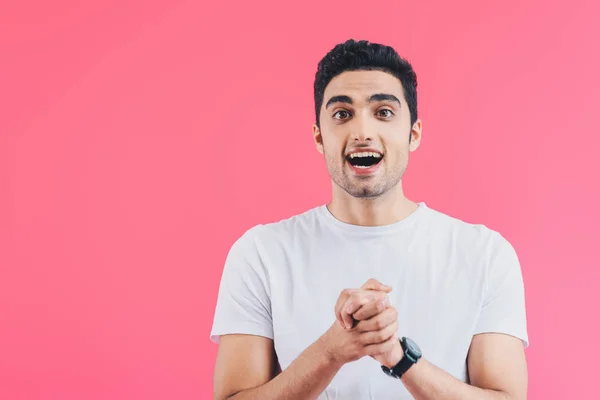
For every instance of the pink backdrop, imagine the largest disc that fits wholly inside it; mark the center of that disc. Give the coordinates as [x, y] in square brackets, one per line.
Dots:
[138, 140]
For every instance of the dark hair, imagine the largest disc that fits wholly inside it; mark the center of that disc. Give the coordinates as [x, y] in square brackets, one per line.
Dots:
[362, 55]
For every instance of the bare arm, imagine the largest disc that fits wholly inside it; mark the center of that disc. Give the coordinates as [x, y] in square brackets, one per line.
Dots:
[246, 368]
[497, 371]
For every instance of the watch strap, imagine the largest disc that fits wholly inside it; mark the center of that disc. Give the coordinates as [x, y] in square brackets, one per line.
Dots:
[407, 361]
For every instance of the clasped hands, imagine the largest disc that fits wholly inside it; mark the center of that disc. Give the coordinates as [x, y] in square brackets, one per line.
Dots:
[366, 324]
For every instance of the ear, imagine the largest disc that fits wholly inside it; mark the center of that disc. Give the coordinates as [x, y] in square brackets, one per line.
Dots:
[416, 133]
[318, 138]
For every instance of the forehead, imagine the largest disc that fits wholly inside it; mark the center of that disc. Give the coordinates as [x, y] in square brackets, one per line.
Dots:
[361, 84]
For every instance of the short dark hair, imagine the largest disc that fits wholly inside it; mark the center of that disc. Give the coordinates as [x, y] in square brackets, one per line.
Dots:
[363, 55]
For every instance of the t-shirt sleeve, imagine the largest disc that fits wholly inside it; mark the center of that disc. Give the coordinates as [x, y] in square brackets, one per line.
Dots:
[503, 308]
[243, 303]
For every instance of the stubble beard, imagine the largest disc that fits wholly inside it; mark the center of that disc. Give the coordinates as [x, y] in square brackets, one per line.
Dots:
[364, 187]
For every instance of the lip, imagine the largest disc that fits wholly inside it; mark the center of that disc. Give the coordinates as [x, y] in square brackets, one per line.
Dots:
[361, 150]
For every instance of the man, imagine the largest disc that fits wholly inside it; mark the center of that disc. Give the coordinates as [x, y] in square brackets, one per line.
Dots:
[372, 296]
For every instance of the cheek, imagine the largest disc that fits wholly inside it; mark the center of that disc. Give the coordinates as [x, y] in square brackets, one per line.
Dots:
[332, 145]
[401, 153]
[333, 158]
[397, 155]
[332, 155]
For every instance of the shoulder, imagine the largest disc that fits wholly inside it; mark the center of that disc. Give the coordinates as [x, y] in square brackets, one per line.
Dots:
[472, 237]
[268, 235]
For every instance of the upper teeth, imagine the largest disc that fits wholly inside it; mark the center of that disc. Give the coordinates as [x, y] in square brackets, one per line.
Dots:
[365, 154]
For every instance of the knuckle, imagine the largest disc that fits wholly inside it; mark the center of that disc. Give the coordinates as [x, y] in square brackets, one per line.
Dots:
[361, 294]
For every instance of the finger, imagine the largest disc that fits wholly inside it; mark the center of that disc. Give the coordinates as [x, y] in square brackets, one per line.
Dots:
[380, 336]
[374, 284]
[354, 302]
[359, 299]
[371, 309]
[343, 297]
[378, 322]
[381, 348]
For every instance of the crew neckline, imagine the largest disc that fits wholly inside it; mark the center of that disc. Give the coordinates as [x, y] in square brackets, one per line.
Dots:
[403, 223]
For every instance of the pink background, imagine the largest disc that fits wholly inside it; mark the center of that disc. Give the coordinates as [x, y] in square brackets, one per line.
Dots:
[138, 140]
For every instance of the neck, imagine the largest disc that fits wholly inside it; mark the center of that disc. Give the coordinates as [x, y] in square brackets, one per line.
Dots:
[386, 209]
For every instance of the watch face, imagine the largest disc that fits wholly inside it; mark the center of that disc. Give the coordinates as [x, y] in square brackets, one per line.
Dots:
[412, 348]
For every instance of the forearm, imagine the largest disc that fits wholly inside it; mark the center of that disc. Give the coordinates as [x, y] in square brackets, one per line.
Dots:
[426, 381]
[305, 378]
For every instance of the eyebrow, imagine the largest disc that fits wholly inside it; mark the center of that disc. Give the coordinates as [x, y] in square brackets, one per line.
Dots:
[373, 98]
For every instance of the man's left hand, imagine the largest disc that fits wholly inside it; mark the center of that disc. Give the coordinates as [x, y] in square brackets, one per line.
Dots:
[366, 323]
[362, 307]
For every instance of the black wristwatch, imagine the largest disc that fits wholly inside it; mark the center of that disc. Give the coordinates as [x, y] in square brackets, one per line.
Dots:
[412, 354]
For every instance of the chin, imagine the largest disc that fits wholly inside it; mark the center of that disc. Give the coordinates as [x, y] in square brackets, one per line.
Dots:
[364, 192]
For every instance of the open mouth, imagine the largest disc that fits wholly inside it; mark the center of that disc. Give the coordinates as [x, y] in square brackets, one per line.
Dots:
[364, 160]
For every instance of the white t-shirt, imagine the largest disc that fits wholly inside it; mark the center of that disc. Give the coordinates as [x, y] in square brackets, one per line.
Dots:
[451, 280]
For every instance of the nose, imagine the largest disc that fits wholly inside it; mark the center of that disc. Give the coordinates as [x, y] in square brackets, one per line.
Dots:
[360, 130]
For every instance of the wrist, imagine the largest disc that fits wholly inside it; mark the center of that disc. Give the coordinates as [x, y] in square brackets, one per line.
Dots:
[326, 357]
[396, 355]
[411, 353]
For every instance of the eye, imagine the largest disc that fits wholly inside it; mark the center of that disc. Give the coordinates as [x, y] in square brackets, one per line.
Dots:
[385, 113]
[342, 114]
